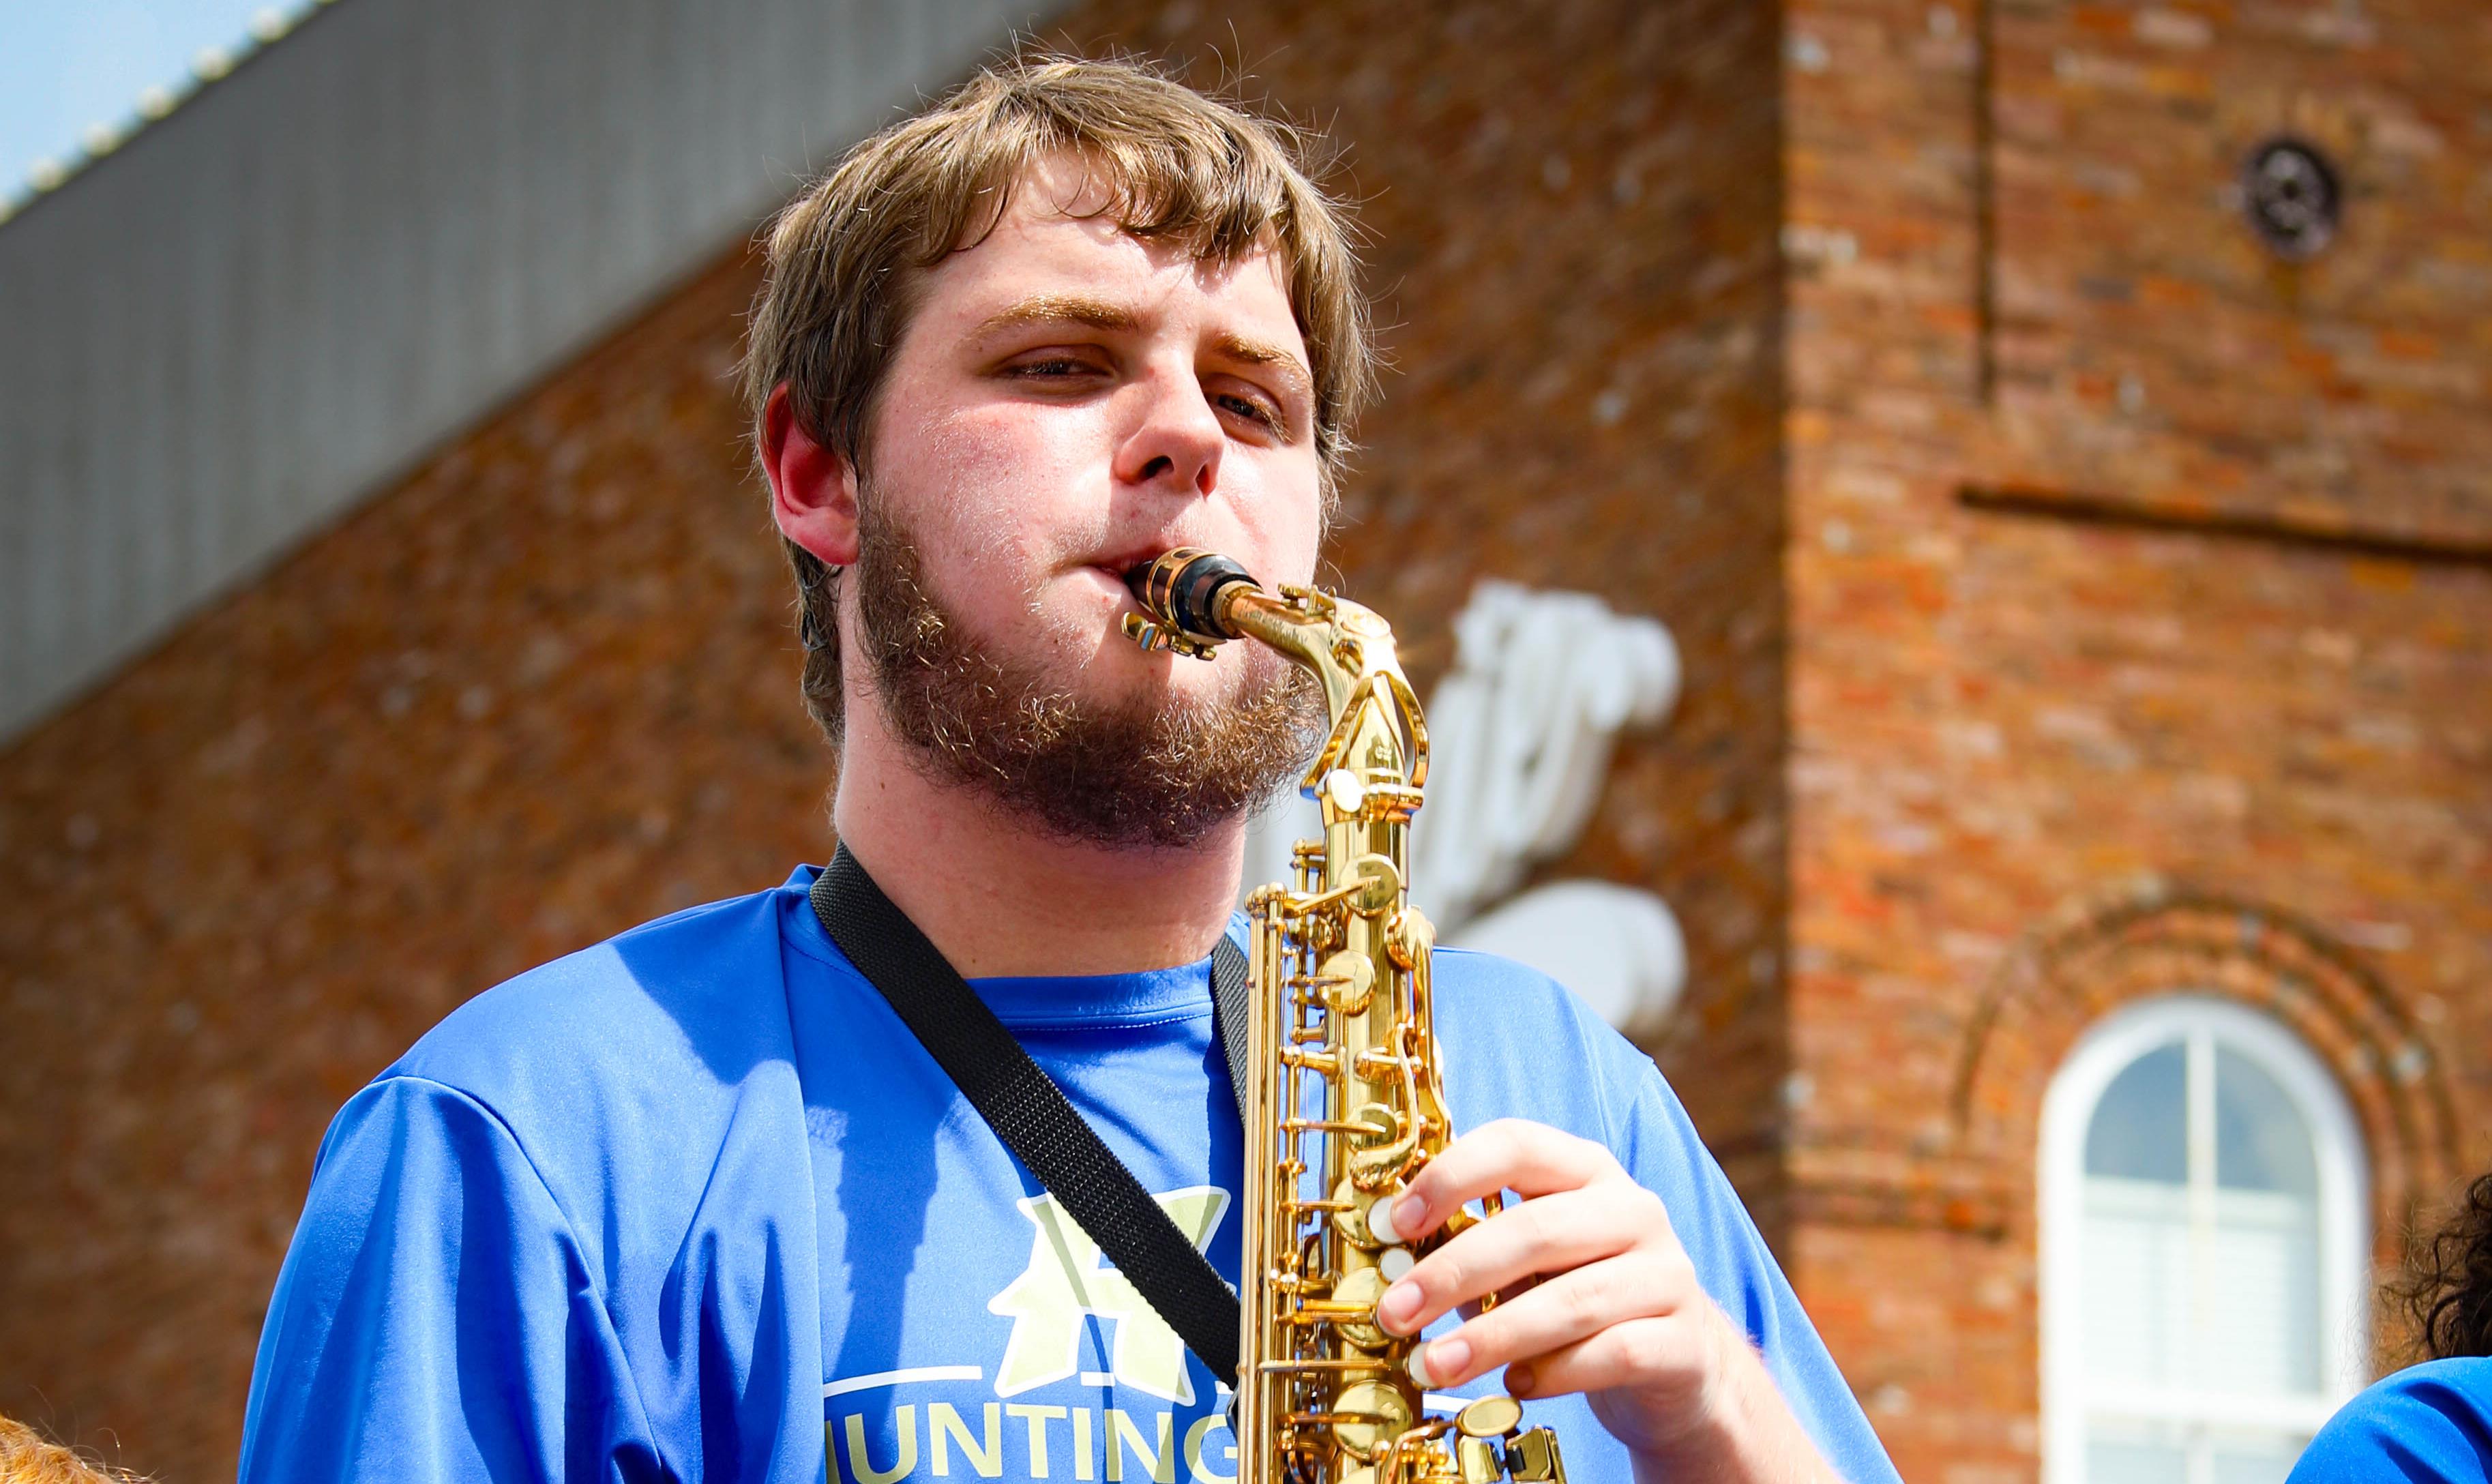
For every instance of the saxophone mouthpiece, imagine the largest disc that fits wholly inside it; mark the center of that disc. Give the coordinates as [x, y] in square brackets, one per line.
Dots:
[1182, 593]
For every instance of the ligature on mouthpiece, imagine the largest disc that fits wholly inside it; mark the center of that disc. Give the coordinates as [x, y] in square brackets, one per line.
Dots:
[1182, 594]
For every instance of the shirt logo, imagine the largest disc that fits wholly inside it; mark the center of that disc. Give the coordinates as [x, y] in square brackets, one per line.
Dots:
[1067, 1282]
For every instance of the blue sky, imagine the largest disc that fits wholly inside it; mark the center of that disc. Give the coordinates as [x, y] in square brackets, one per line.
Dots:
[67, 66]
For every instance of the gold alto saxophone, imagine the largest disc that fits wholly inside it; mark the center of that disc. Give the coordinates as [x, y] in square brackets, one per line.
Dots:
[1345, 1101]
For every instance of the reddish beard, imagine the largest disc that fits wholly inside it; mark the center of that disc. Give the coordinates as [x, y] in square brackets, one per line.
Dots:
[1158, 769]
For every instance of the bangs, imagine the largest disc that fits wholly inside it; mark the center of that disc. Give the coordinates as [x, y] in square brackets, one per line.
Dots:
[1202, 189]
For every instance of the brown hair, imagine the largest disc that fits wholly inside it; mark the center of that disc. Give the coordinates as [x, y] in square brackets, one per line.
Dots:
[845, 261]
[25, 1457]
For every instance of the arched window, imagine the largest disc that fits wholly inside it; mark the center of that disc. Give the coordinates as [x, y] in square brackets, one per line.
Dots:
[2204, 1252]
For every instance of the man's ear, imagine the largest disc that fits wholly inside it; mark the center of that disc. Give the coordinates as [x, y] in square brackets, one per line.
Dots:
[812, 488]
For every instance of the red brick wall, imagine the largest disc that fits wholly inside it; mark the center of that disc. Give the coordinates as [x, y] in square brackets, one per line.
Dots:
[2151, 350]
[543, 689]
[2040, 767]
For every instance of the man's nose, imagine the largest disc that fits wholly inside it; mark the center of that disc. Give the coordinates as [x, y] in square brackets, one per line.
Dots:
[1175, 440]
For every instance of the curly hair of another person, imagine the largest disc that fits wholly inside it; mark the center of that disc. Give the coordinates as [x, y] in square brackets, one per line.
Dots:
[2447, 1289]
[26, 1458]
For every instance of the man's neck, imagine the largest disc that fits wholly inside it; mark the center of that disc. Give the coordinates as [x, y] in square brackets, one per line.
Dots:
[999, 897]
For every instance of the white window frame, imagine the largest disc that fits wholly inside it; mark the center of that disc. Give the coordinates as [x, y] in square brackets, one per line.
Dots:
[2198, 1021]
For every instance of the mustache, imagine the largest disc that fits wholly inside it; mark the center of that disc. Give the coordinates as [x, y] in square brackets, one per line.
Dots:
[1158, 768]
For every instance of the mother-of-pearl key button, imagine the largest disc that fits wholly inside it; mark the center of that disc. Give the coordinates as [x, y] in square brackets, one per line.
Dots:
[1395, 1262]
[1380, 1221]
[1417, 1368]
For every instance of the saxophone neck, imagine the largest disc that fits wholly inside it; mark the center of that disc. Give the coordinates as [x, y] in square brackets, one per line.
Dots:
[1343, 644]
[1193, 600]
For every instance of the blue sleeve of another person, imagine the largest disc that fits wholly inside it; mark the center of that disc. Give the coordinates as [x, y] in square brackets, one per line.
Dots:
[436, 1318]
[2429, 1423]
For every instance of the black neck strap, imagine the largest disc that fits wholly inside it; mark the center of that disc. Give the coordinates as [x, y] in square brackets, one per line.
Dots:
[1032, 1115]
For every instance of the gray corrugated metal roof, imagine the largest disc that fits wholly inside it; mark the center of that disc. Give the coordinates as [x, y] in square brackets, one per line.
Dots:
[154, 102]
[235, 324]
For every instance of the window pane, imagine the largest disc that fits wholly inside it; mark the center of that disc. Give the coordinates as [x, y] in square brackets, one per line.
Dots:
[2131, 1453]
[2261, 1299]
[2255, 1459]
[2260, 1141]
[2140, 1131]
[2136, 1281]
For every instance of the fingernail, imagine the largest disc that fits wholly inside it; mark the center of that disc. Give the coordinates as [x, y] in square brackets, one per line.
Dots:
[1407, 1213]
[1440, 1364]
[1396, 1309]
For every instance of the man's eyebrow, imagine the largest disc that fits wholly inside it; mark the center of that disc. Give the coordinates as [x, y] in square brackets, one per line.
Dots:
[1283, 362]
[1101, 315]
[1058, 310]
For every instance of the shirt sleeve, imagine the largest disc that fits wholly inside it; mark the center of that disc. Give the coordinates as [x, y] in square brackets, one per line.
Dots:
[1659, 1146]
[436, 1317]
[2429, 1424]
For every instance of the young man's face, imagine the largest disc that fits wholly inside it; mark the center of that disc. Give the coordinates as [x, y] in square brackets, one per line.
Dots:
[1068, 403]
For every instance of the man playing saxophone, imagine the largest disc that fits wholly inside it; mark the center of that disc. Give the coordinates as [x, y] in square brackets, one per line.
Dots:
[695, 1203]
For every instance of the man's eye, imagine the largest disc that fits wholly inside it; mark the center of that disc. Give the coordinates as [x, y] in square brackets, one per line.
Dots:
[1249, 408]
[1053, 366]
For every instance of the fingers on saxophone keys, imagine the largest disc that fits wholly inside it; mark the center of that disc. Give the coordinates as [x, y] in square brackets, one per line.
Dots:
[1547, 1235]
[1563, 1311]
[1532, 1159]
[1637, 1352]
[1440, 1364]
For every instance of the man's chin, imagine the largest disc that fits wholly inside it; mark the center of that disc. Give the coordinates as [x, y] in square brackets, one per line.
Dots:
[1076, 727]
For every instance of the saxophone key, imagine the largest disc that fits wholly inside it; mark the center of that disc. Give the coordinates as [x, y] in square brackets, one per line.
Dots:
[1481, 1463]
[1323, 1063]
[1491, 1417]
[1350, 1217]
[1532, 1457]
[1349, 982]
[1375, 886]
[1380, 1221]
[1369, 1415]
[1352, 1309]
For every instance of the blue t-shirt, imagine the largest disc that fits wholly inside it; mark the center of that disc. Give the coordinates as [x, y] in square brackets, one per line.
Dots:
[694, 1204]
[2427, 1423]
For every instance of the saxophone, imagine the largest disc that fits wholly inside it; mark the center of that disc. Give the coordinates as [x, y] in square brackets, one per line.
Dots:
[1346, 1101]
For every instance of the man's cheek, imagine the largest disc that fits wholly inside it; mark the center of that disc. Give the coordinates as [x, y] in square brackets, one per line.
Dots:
[1027, 436]
[1284, 517]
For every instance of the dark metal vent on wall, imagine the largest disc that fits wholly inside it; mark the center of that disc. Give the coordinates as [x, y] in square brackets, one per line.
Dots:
[2290, 193]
